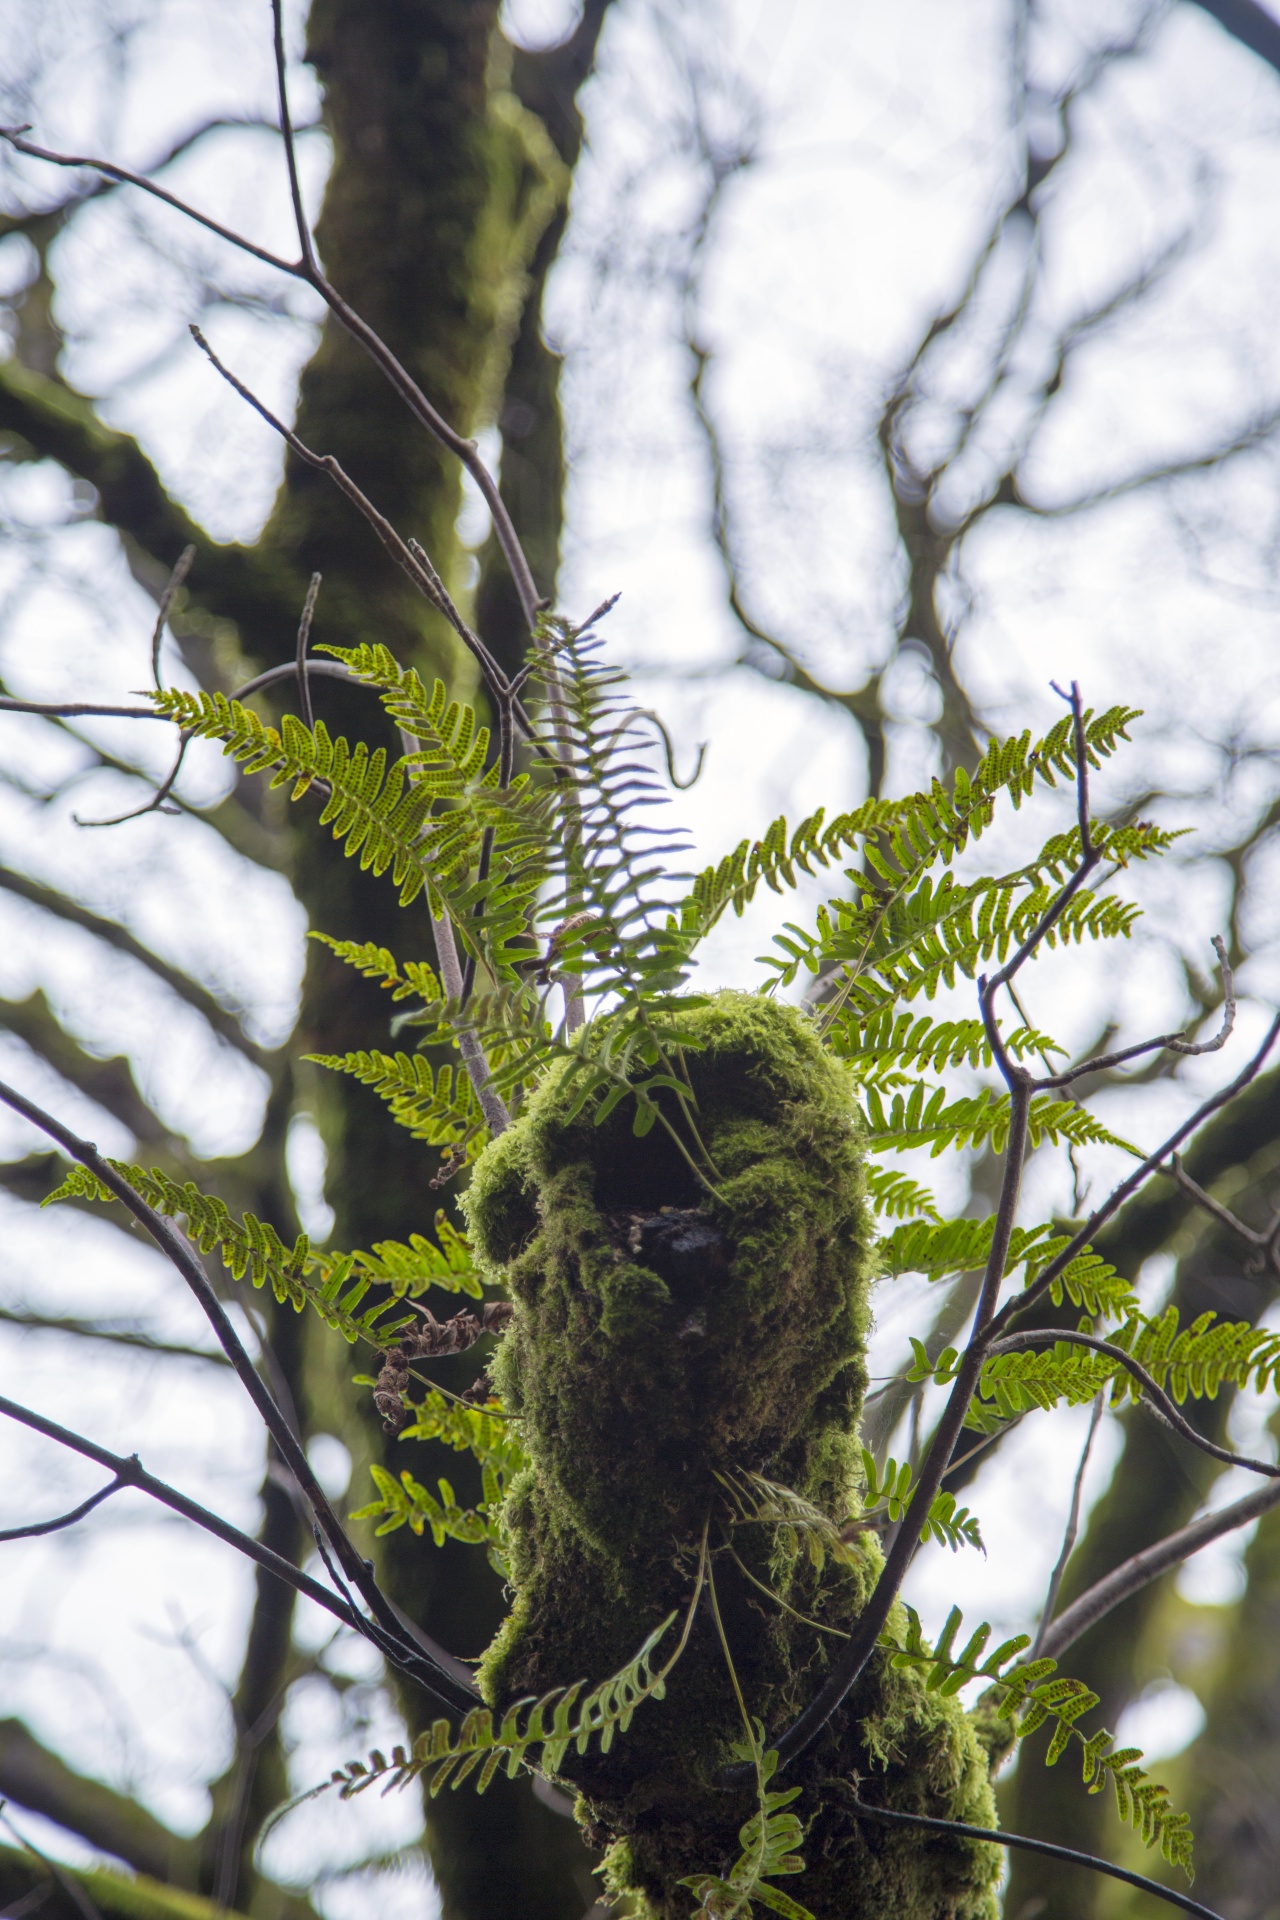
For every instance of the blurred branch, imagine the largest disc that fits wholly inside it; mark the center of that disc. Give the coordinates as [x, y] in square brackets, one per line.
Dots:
[113, 1336]
[1142, 1568]
[223, 1021]
[108, 1082]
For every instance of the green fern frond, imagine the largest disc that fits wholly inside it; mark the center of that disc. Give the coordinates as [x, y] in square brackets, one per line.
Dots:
[948, 1523]
[1029, 1698]
[334, 1284]
[406, 1502]
[532, 1734]
[899, 1198]
[1188, 1362]
[925, 1118]
[882, 1046]
[416, 979]
[768, 1840]
[900, 838]
[439, 1106]
[454, 746]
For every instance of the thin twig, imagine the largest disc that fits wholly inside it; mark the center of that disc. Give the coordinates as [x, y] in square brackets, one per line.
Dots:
[398, 549]
[1116, 1199]
[1055, 1852]
[303, 664]
[176, 578]
[39, 1527]
[1173, 1042]
[78, 710]
[156, 803]
[130, 1472]
[492, 1104]
[1070, 1530]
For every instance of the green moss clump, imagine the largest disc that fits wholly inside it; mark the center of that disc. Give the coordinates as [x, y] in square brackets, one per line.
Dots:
[663, 1335]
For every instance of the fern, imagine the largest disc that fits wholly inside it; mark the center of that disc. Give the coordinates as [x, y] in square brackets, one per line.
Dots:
[925, 1118]
[417, 979]
[334, 1284]
[768, 1841]
[882, 1045]
[1193, 1361]
[948, 1523]
[533, 1734]
[1030, 1697]
[897, 1197]
[939, 1248]
[914, 833]
[439, 1106]
[405, 1502]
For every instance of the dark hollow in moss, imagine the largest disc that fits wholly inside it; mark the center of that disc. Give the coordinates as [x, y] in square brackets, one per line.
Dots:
[663, 1335]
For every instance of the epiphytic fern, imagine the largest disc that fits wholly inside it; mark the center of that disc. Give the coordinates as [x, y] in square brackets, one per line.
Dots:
[532, 1734]
[1029, 1697]
[334, 1284]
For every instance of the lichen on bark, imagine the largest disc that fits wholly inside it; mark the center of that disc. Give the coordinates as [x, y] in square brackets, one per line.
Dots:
[666, 1334]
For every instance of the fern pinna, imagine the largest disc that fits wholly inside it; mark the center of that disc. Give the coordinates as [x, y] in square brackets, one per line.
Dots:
[633, 1138]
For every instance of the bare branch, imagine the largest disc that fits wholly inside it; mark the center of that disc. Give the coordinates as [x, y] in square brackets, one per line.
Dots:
[1116, 1199]
[65, 1519]
[113, 1336]
[1172, 1042]
[78, 709]
[130, 1472]
[223, 1021]
[176, 578]
[304, 638]
[122, 175]
[390, 540]
[1142, 1568]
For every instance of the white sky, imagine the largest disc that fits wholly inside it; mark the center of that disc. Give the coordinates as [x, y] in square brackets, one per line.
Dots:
[880, 152]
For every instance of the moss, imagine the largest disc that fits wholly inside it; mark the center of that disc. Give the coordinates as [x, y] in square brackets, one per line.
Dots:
[664, 1334]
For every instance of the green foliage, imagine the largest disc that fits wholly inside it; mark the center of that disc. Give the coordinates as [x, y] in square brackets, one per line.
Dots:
[405, 1502]
[334, 1284]
[1029, 1696]
[561, 879]
[948, 1523]
[940, 1248]
[925, 1118]
[769, 1840]
[532, 1733]
[417, 980]
[1192, 1362]
[438, 1105]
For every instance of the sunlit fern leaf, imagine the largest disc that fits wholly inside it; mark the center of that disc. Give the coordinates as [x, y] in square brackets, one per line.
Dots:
[416, 979]
[883, 1045]
[532, 1734]
[926, 1118]
[436, 1105]
[899, 1198]
[768, 1840]
[1029, 1696]
[334, 1284]
[904, 836]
